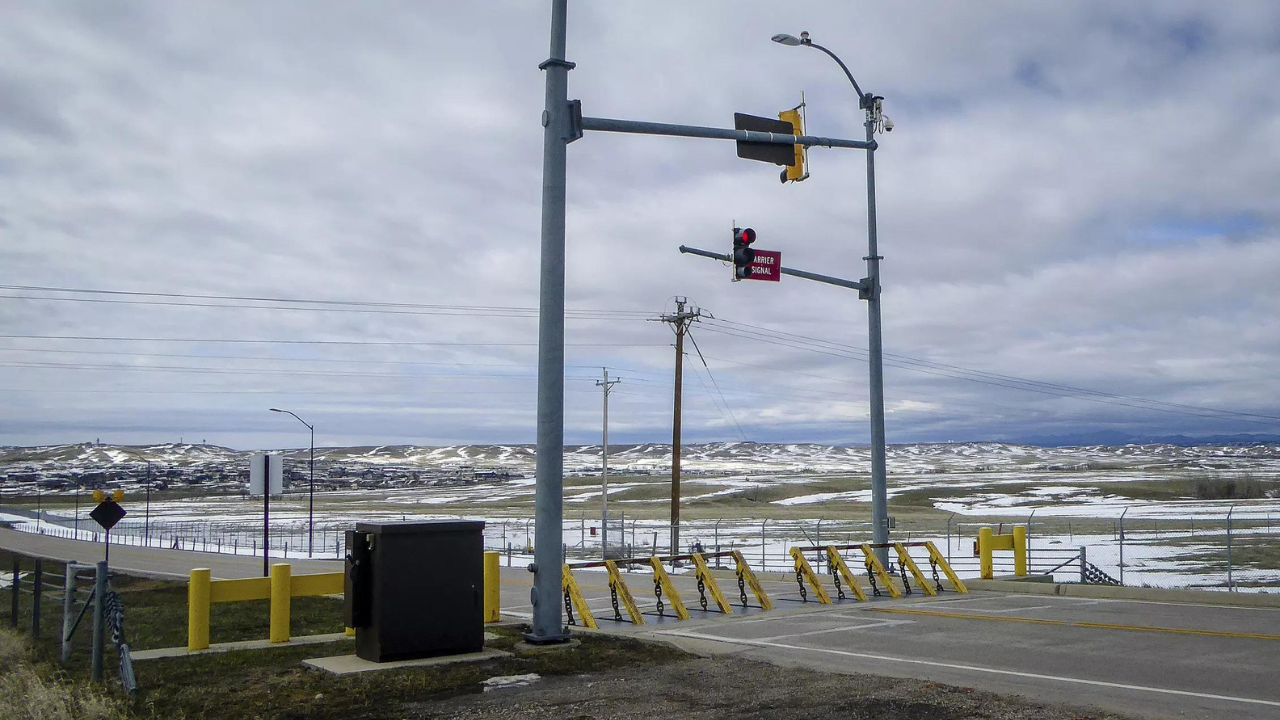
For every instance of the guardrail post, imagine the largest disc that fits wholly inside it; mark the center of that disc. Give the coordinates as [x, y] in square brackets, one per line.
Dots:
[1084, 565]
[37, 588]
[17, 568]
[1019, 550]
[492, 588]
[68, 609]
[281, 579]
[198, 610]
[984, 553]
[99, 618]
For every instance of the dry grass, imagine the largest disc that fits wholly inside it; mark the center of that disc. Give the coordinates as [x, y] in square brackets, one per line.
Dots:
[29, 692]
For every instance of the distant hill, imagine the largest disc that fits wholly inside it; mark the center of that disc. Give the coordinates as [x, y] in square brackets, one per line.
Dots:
[1115, 438]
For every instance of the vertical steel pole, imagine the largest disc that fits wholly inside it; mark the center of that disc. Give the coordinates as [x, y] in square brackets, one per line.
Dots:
[879, 492]
[311, 505]
[147, 525]
[266, 515]
[1230, 579]
[549, 491]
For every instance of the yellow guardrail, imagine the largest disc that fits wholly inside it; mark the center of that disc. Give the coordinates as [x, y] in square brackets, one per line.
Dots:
[279, 588]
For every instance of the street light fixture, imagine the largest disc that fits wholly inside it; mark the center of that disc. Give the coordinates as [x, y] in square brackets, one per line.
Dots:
[311, 504]
[875, 120]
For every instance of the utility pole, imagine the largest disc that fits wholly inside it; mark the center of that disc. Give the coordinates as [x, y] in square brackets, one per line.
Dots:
[680, 323]
[607, 384]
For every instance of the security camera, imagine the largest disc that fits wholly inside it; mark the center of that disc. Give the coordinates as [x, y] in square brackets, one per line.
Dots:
[888, 124]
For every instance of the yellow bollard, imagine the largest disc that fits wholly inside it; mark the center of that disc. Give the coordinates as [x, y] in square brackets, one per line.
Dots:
[492, 587]
[281, 580]
[198, 610]
[351, 632]
[984, 551]
[1020, 550]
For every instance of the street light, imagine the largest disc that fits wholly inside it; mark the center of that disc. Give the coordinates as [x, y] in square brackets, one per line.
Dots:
[311, 505]
[875, 120]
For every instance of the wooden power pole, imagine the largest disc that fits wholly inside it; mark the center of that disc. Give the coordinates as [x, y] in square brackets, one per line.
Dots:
[680, 323]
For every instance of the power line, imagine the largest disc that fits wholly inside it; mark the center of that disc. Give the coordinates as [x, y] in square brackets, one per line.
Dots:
[717, 385]
[237, 341]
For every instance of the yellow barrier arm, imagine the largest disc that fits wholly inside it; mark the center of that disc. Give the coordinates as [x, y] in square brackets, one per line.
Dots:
[909, 564]
[663, 580]
[704, 575]
[745, 573]
[946, 568]
[570, 587]
[617, 585]
[874, 566]
[837, 562]
[803, 569]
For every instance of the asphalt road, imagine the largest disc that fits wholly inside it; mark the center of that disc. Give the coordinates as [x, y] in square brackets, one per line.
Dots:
[1150, 659]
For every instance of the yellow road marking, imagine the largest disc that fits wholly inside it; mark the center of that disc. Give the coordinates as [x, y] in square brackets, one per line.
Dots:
[1067, 623]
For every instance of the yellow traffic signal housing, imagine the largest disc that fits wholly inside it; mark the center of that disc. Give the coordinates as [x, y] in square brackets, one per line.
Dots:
[799, 169]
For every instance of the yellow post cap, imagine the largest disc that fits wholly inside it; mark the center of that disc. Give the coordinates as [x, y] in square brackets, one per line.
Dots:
[118, 495]
[99, 496]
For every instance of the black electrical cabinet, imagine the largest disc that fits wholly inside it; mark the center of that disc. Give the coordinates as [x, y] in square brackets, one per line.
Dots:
[415, 589]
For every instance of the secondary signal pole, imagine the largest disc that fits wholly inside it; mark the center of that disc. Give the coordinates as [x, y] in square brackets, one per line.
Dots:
[607, 385]
[680, 322]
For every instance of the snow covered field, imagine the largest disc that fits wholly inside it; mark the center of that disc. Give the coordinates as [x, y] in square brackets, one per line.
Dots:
[760, 498]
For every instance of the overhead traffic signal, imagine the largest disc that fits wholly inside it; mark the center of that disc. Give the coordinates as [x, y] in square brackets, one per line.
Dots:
[743, 255]
[798, 168]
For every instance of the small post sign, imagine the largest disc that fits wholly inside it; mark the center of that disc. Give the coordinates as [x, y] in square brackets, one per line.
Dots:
[767, 265]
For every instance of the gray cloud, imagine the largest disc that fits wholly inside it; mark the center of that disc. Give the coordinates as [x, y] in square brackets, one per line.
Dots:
[1078, 193]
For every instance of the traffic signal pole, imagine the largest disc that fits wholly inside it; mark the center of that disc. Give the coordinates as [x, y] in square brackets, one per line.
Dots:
[841, 282]
[871, 293]
[548, 554]
[562, 123]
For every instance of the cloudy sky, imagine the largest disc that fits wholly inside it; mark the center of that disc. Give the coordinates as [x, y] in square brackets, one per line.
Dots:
[1078, 212]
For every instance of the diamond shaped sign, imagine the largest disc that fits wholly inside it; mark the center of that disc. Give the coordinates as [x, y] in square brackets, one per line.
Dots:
[107, 514]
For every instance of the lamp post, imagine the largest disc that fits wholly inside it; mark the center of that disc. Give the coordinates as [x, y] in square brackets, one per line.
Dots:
[875, 120]
[311, 503]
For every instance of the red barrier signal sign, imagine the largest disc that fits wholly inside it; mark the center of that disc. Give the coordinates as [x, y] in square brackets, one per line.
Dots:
[766, 266]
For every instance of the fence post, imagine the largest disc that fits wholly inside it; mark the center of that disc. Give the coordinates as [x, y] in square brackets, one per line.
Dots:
[68, 609]
[1122, 545]
[281, 579]
[17, 568]
[198, 610]
[37, 588]
[1230, 580]
[99, 618]
[1084, 565]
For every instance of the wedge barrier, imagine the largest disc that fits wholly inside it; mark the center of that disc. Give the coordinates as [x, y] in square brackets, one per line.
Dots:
[279, 588]
[880, 579]
[667, 596]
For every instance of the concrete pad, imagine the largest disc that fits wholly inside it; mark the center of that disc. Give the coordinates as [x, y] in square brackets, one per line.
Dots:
[352, 665]
[242, 645]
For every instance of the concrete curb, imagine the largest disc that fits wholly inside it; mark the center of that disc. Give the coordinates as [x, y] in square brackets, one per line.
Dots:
[1198, 597]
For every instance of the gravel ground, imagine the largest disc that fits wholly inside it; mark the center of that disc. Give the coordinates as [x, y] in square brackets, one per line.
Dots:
[728, 687]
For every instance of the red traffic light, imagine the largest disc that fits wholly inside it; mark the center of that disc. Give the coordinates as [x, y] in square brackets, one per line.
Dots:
[745, 236]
